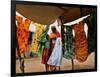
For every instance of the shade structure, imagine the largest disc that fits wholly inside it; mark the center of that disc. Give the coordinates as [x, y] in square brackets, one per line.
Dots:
[47, 14]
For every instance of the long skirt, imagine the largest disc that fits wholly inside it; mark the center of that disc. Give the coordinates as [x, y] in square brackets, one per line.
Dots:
[45, 55]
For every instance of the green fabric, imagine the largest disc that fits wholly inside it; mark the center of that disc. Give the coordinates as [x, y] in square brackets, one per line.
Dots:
[42, 41]
[91, 22]
[68, 45]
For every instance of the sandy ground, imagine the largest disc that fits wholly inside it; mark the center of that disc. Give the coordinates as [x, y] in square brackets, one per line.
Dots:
[34, 64]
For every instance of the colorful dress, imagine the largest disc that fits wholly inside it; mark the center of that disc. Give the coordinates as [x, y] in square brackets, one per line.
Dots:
[92, 32]
[37, 34]
[22, 33]
[68, 44]
[81, 44]
[41, 43]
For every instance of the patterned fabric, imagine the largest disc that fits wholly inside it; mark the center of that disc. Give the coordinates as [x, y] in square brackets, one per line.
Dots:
[68, 45]
[81, 44]
[92, 26]
[22, 33]
[42, 41]
[37, 34]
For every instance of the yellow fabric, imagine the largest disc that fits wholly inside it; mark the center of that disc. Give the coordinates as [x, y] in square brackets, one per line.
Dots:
[39, 30]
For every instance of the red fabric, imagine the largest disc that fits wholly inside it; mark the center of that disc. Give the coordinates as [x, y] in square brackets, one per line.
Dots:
[45, 56]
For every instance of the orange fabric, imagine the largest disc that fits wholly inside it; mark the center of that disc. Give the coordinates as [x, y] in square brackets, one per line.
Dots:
[81, 45]
[22, 33]
[45, 55]
[53, 35]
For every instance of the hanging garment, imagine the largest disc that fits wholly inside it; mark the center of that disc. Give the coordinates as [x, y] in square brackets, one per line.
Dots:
[92, 26]
[42, 41]
[37, 34]
[81, 44]
[22, 33]
[68, 44]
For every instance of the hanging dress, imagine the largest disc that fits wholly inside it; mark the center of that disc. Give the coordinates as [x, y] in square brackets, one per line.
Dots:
[55, 58]
[42, 41]
[37, 34]
[68, 44]
[92, 32]
[22, 33]
[81, 44]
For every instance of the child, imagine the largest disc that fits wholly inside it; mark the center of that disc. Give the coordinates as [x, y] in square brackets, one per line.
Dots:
[45, 54]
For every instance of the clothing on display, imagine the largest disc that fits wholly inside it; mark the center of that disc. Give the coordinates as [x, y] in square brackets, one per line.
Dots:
[81, 44]
[22, 33]
[37, 34]
[91, 22]
[68, 44]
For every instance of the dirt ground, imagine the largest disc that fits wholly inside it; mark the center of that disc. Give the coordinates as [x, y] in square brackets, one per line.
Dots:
[34, 64]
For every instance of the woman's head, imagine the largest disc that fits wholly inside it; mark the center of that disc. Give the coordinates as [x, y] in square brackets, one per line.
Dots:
[53, 28]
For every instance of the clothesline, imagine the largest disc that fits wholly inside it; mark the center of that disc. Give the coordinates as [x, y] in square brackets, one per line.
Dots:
[69, 23]
[76, 21]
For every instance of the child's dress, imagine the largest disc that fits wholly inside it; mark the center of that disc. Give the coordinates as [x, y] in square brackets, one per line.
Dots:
[45, 54]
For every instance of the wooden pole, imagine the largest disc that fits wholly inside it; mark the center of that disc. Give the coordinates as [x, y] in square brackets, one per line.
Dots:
[81, 13]
[72, 64]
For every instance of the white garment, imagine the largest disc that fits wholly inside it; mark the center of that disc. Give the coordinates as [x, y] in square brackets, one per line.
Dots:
[56, 55]
[32, 27]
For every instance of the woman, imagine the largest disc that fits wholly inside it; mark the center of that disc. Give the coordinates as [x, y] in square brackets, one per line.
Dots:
[55, 58]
